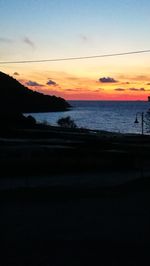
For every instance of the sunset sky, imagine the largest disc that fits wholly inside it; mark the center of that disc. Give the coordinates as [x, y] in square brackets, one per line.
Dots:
[47, 29]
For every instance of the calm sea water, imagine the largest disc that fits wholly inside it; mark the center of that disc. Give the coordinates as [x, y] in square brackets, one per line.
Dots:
[114, 116]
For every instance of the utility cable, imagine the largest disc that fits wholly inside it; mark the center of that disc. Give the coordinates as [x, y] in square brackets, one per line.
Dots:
[74, 58]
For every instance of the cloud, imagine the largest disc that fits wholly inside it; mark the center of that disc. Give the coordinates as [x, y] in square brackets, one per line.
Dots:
[29, 42]
[97, 90]
[70, 89]
[72, 78]
[136, 89]
[33, 83]
[82, 89]
[5, 40]
[16, 74]
[119, 89]
[107, 80]
[133, 89]
[83, 37]
[148, 83]
[74, 89]
[51, 83]
[141, 77]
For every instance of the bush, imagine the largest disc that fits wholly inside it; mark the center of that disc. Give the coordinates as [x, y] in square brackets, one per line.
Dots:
[66, 122]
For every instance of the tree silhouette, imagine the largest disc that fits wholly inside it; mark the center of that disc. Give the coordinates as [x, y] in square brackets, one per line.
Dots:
[66, 122]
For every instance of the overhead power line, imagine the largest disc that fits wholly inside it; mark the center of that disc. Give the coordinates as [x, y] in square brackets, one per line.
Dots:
[73, 58]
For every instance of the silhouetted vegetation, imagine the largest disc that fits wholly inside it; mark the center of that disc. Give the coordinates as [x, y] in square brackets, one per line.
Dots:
[16, 97]
[16, 120]
[66, 122]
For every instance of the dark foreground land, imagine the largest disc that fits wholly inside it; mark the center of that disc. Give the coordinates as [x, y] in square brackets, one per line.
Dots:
[74, 198]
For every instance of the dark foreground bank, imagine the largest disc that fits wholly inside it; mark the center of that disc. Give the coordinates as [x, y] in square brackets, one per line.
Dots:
[78, 227]
[85, 224]
[42, 150]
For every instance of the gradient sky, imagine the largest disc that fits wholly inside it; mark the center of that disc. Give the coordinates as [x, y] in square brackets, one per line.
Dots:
[36, 29]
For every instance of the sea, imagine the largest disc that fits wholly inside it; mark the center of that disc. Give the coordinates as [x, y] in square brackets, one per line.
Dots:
[112, 116]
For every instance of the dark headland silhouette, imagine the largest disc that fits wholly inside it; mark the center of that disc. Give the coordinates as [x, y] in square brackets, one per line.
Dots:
[14, 97]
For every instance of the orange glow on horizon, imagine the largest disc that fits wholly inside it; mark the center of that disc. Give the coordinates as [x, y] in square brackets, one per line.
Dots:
[95, 87]
[79, 88]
